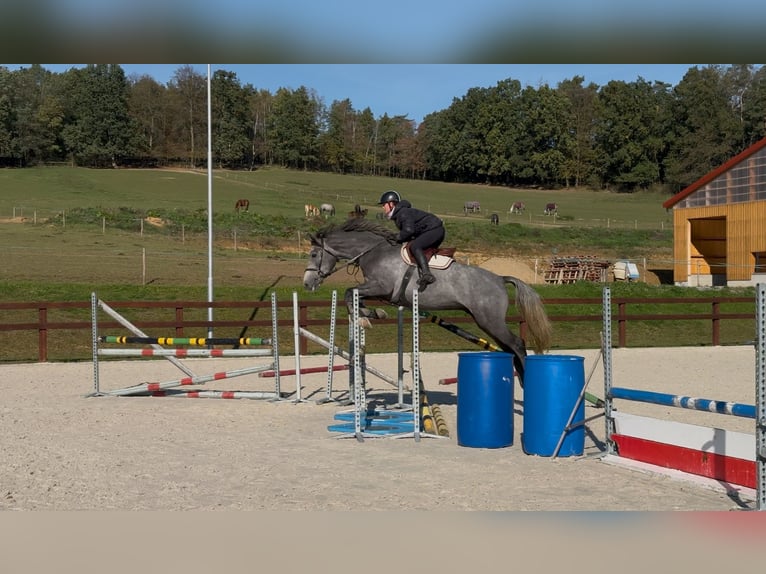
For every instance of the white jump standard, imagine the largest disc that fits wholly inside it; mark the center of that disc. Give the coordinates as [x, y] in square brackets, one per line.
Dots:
[726, 457]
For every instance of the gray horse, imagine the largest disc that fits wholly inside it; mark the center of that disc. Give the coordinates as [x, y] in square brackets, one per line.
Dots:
[479, 292]
[327, 209]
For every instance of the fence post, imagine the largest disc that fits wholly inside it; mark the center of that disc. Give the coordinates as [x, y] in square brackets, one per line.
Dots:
[622, 324]
[716, 323]
[179, 322]
[42, 334]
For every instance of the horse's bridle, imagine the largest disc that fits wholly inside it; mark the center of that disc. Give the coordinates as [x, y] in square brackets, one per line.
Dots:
[318, 269]
[322, 275]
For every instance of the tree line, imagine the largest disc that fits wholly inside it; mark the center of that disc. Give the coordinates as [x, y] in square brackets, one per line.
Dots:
[623, 136]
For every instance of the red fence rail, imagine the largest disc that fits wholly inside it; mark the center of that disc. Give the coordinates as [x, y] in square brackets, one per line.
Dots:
[622, 317]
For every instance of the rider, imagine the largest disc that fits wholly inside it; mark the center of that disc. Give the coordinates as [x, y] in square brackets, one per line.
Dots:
[422, 229]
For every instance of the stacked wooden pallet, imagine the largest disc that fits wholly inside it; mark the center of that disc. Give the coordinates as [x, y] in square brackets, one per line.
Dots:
[577, 268]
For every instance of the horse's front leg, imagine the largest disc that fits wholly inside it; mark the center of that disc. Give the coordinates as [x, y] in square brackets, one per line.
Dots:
[365, 290]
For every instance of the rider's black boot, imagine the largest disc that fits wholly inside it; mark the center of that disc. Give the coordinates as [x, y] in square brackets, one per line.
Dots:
[426, 277]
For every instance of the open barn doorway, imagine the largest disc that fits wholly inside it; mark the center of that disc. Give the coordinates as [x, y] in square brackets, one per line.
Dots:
[707, 246]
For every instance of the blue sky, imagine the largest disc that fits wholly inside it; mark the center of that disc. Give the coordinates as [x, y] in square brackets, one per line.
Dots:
[419, 31]
[349, 31]
[412, 90]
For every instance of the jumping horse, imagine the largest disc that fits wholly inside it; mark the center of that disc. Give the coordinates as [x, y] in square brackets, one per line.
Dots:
[481, 293]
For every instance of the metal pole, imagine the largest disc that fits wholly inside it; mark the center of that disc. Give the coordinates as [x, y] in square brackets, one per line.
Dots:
[297, 345]
[94, 341]
[606, 351]
[760, 397]
[209, 206]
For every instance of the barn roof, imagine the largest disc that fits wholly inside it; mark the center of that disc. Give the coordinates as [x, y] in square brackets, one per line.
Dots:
[705, 179]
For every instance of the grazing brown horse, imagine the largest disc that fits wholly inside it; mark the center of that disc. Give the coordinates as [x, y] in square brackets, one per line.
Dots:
[551, 209]
[358, 212]
[517, 207]
[242, 204]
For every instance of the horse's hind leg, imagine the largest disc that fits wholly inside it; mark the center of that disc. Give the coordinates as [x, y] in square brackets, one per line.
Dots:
[507, 341]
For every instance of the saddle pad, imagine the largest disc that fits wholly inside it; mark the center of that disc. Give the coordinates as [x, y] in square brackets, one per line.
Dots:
[436, 262]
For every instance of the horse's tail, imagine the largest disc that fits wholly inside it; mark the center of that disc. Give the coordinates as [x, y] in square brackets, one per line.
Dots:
[532, 311]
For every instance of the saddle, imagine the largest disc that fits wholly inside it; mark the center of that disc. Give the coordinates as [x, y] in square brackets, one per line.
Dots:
[439, 258]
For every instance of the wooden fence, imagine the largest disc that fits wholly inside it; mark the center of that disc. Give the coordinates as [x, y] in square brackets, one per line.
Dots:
[173, 318]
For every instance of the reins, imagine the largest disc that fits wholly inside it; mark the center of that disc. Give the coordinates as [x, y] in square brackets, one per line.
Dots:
[352, 261]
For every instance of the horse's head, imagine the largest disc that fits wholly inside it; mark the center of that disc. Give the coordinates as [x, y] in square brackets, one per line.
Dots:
[321, 263]
[351, 240]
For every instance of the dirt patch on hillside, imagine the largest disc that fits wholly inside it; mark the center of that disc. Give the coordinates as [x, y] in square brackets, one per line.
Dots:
[513, 267]
[156, 221]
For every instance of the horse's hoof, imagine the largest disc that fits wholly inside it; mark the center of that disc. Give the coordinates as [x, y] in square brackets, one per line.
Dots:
[380, 313]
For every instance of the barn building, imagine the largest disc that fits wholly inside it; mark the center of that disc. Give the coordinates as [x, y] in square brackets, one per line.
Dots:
[719, 224]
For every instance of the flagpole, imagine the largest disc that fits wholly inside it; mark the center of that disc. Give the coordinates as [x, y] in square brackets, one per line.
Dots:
[209, 207]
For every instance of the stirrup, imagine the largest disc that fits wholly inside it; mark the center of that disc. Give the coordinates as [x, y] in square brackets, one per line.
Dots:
[425, 281]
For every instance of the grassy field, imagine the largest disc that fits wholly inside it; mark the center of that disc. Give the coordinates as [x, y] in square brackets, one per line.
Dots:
[142, 235]
[277, 192]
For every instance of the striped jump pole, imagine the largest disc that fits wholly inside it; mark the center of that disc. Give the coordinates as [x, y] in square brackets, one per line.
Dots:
[683, 402]
[212, 394]
[713, 453]
[303, 371]
[184, 353]
[193, 341]
[196, 380]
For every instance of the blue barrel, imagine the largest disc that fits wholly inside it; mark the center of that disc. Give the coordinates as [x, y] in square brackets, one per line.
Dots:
[485, 399]
[552, 386]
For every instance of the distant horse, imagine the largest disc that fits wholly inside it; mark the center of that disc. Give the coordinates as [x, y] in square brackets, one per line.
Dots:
[494, 219]
[551, 209]
[358, 212]
[242, 204]
[517, 207]
[311, 210]
[472, 207]
[479, 292]
[327, 208]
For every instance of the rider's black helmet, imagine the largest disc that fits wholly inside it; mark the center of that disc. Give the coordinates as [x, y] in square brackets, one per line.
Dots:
[390, 195]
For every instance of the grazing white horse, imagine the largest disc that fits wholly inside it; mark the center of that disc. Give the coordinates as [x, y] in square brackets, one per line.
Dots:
[327, 209]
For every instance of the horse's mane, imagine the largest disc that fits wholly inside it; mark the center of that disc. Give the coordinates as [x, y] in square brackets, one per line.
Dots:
[360, 224]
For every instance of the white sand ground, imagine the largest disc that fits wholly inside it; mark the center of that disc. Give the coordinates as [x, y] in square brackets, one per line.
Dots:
[62, 450]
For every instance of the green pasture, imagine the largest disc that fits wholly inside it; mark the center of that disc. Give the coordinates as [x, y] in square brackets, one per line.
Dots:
[79, 230]
[279, 192]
